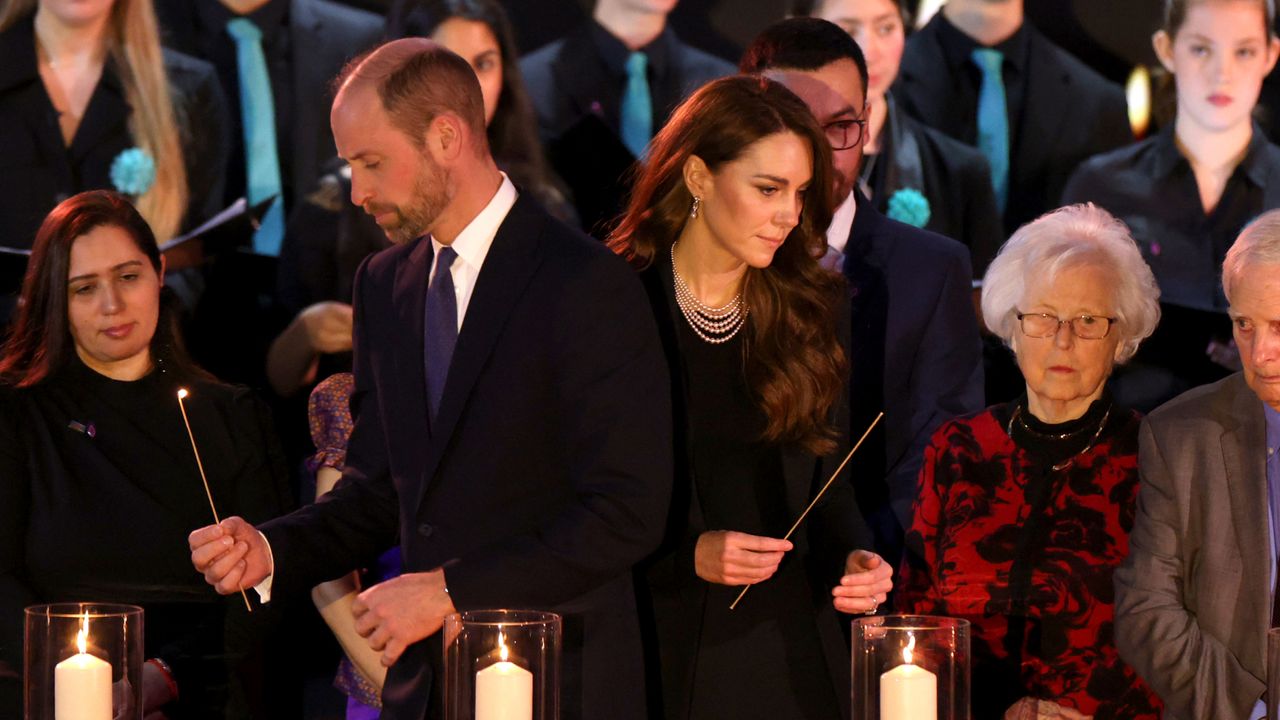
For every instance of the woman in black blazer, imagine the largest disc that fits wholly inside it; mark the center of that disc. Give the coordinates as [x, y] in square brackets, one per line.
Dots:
[727, 233]
[89, 100]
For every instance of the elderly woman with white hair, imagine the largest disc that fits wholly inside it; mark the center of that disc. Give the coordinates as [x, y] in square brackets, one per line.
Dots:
[1024, 509]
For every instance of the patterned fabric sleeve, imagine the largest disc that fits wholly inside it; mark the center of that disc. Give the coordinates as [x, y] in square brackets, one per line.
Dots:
[917, 591]
[329, 413]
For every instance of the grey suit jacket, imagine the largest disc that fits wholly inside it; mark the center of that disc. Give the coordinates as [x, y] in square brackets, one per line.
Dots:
[1193, 600]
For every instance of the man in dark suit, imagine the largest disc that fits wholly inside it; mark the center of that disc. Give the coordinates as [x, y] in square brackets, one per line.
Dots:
[1200, 577]
[1056, 110]
[604, 90]
[301, 45]
[529, 465]
[305, 43]
[915, 347]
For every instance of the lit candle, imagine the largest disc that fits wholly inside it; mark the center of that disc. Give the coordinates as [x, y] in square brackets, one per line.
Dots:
[82, 684]
[504, 690]
[908, 692]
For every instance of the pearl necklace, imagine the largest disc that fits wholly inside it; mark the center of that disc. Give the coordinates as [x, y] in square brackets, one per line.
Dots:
[712, 324]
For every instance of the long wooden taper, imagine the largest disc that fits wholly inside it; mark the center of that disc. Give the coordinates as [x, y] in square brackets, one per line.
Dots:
[818, 497]
[182, 394]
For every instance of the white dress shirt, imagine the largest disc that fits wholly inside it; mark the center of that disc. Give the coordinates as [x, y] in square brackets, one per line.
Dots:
[473, 243]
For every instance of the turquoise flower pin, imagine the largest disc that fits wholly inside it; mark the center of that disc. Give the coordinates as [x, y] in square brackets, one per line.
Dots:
[133, 172]
[909, 206]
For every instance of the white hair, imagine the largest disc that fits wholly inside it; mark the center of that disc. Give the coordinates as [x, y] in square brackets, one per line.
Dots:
[1258, 244]
[1070, 237]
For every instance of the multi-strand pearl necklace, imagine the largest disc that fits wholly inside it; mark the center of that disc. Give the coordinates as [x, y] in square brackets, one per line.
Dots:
[714, 325]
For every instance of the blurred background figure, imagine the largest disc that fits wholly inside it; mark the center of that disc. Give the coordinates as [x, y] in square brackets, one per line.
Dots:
[101, 486]
[981, 73]
[1024, 510]
[603, 90]
[911, 172]
[725, 224]
[1189, 190]
[88, 100]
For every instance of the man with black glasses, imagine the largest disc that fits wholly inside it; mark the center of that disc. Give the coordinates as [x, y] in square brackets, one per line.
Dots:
[915, 349]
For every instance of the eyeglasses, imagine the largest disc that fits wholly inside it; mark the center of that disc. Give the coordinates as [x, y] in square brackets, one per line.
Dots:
[844, 134]
[1085, 327]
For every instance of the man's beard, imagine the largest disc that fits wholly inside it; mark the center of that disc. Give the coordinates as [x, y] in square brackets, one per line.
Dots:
[431, 194]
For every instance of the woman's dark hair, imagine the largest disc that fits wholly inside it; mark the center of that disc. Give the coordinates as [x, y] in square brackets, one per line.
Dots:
[513, 136]
[1175, 14]
[40, 343]
[794, 364]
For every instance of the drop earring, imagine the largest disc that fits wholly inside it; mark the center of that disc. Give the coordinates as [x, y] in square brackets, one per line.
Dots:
[697, 205]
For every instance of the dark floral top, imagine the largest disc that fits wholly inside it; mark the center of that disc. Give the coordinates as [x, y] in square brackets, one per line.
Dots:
[1021, 539]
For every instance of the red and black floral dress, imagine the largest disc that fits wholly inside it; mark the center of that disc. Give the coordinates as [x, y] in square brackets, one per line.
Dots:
[1018, 527]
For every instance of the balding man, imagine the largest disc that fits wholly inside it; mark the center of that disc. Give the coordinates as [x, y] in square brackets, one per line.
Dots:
[1197, 593]
[513, 427]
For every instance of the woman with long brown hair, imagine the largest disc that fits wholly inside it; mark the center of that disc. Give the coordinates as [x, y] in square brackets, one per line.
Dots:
[725, 224]
[132, 117]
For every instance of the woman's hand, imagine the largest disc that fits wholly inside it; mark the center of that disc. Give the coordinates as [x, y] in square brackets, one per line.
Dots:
[1029, 708]
[726, 557]
[866, 583]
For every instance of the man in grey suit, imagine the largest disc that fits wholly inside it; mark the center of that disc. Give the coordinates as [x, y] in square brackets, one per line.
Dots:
[1196, 595]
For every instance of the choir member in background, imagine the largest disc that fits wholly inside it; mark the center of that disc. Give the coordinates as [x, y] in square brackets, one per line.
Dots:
[725, 224]
[100, 485]
[147, 122]
[1024, 509]
[912, 172]
[1189, 190]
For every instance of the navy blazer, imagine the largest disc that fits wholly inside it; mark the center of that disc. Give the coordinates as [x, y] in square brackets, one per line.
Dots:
[547, 473]
[1069, 113]
[916, 354]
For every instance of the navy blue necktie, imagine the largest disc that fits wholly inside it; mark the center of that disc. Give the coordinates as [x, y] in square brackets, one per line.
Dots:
[440, 327]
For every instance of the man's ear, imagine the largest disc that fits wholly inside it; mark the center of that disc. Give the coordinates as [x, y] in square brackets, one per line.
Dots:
[445, 137]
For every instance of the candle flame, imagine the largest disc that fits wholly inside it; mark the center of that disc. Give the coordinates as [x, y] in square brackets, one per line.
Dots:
[502, 648]
[906, 651]
[82, 637]
[182, 393]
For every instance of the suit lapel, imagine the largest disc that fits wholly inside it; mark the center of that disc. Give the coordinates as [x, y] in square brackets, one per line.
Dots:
[1243, 454]
[1049, 81]
[923, 72]
[510, 264]
[310, 82]
[408, 298]
[582, 82]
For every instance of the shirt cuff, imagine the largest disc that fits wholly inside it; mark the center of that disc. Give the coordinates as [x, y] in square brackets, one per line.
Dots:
[264, 588]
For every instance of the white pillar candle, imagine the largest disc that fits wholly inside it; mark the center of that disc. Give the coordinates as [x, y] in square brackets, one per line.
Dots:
[504, 690]
[82, 684]
[908, 692]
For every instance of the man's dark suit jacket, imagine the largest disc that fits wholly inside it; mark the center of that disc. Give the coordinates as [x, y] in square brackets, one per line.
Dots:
[916, 355]
[1070, 113]
[545, 476]
[579, 104]
[323, 35]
